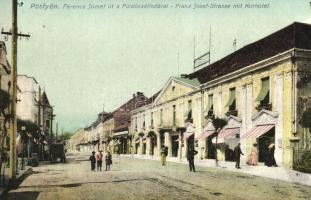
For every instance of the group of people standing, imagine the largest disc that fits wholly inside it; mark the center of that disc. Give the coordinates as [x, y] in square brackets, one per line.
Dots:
[252, 158]
[98, 159]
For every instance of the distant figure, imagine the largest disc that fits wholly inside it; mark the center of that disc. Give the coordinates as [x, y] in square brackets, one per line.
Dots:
[237, 155]
[253, 156]
[93, 161]
[108, 159]
[99, 160]
[164, 152]
[190, 157]
[270, 160]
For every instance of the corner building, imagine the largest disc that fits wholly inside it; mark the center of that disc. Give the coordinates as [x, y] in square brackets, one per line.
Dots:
[262, 90]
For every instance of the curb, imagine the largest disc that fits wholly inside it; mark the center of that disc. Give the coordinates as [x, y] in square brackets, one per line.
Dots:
[15, 183]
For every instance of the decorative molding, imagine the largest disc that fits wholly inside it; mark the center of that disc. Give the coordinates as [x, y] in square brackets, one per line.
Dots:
[265, 117]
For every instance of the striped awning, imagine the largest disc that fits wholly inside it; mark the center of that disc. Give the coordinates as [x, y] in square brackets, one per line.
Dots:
[257, 131]
[205, 134]
[226, 132]
[187, 135]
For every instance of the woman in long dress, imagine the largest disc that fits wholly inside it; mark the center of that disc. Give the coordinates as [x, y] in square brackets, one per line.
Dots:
[253, 156]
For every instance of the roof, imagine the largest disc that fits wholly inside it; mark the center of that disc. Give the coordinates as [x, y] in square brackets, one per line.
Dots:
[122, 116]
[296, 35]
[152, 98]
[193, 82]
[44, 99]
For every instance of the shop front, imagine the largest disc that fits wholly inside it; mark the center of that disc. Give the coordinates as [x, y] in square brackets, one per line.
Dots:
[264, 134]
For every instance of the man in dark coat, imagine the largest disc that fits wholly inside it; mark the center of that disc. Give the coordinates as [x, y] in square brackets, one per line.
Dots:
[93, 161]
[190, 157]
[237, 155]
[164, 152]
[108, 159]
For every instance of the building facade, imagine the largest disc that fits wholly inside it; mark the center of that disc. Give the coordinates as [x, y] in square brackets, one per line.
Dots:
[261, 90]
[168, 119]
[257, 90]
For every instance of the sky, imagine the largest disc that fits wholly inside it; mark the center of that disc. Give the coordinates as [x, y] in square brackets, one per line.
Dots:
[88, 60]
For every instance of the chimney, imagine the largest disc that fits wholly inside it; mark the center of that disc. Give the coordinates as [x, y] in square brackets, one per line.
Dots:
[140, 94]
[134, 96]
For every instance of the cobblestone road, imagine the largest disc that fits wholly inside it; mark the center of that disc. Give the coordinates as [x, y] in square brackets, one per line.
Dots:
[142, 179]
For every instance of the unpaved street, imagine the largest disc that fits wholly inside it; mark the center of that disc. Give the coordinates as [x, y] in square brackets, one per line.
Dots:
[140, 179]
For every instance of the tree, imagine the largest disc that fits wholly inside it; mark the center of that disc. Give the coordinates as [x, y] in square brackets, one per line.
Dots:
[218, 124]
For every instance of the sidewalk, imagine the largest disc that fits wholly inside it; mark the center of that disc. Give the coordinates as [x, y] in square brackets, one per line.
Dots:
[19, 176]
[277, 173]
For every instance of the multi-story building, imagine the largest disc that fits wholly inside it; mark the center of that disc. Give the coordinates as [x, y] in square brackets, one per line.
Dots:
[168, 119]
[45, 110]
[261, 90]
[5, 92]
[27, 107]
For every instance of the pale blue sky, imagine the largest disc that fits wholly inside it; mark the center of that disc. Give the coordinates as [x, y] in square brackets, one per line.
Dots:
[85, 58]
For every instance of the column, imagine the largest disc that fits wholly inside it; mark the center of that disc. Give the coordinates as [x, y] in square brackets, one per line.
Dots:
[168, 143]
[158, 145]
[278, 96]
[243, 111]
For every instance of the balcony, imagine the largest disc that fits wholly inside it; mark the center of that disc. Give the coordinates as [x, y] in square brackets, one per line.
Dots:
[266, 106]
[232, 112]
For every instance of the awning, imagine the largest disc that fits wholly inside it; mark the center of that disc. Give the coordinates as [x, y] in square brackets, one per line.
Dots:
[226, 132]
[257, 131]
[205, 134]
[187, 135]
[231, 97]
[265, 86]
[209, 103]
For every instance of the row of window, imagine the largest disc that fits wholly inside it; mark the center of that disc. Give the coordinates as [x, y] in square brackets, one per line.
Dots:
[263, 99]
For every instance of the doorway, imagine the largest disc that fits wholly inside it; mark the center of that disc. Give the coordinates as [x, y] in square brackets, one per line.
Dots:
[174, 145]
[263, 143]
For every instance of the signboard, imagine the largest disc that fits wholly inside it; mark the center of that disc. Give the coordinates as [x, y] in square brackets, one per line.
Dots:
[202, 60]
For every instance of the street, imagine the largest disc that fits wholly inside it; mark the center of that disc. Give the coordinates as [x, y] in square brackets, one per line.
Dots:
[145, 179]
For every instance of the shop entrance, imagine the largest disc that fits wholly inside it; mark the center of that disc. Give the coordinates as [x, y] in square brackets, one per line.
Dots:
[263, 143]
[174, 145]
[210, 147]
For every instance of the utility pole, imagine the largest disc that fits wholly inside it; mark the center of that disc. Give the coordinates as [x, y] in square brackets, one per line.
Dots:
[13, 78]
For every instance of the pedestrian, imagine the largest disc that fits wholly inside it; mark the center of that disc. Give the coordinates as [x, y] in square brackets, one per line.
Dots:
[108, 160]
[270, 160]
[93, 161]
[99, 160]
[237, 155]
[190, 157]
[253, 156]
[164, 151]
